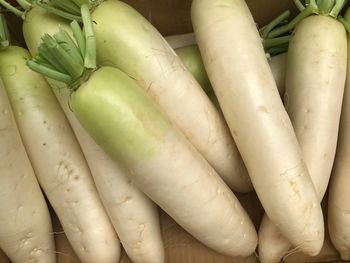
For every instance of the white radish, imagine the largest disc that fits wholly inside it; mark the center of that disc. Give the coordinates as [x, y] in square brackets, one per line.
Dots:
[162, 162]
[132, 129]
[134, 216]
[58, 160]
[237, 67]
[126, 40]
[315, 79]
[338, 200]
[25, 224]
[328, 252]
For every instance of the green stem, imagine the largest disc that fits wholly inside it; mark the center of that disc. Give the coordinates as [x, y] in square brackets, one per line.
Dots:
[79, 37]
[45, 53]
[12, 9]
[42, 61]
[82, 2]
[339, 4]
[58, 12]
[53, 74]
[72, 67]
[313, 3]
[345, 23]
[309, 10]
[60, 58]
[273, 42]
[325, 6]
[90, 52]
[299, 5]
[68, 6]
[4, 32]
[26, 5]
[267, 29]
[278, 50]
[68, 45]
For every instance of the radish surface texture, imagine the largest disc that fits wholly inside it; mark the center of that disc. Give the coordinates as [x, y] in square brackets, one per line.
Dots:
[249, 98]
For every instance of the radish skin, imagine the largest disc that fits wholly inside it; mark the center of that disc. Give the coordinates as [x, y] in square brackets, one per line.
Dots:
[134, 216]
[123, 201]
[328, 252]
[57, 160]
[182, 40]
[182, 247]
[278, 66]
[64, 250]
[191, 58]
[338, 204]
[162, 162]
[25, 224]
[316, 69]
[186, 48]
[248, 96]
[147, 57]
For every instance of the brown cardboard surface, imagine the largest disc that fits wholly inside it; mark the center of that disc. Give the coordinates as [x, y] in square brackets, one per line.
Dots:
[3, 257]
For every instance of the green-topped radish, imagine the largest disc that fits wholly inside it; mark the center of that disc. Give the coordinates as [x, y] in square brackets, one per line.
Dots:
[132, 129]
[133, 214]
[25, 224]
[338, 203]
[238, 70]
[147, 57]
[315, 79]
[57, 159]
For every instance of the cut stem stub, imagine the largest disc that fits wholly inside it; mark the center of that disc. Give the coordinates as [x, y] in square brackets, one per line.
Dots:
[66, 59]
